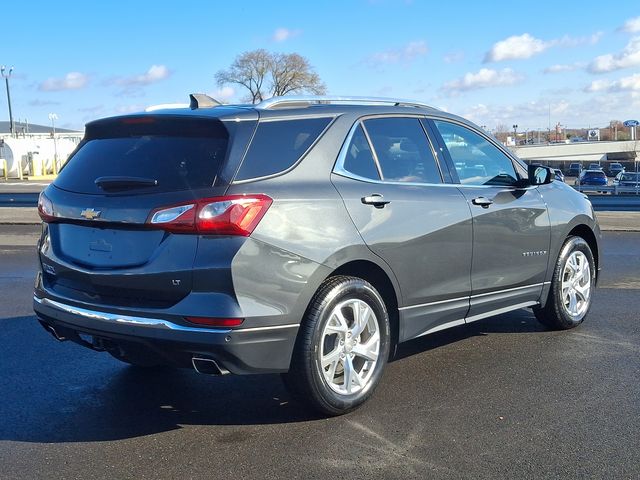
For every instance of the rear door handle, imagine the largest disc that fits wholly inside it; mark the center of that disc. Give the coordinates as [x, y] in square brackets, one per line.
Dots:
[484, 202]
[376, 200]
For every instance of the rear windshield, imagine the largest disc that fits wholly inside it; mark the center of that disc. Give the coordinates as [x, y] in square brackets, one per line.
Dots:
[594, 174]
[178, 154]
[278, 145]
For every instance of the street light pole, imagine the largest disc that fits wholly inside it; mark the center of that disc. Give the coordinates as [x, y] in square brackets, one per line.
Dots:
[53, 117]
[6, 75]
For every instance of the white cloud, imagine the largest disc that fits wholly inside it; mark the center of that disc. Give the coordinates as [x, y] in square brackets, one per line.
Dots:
[405, 54]
[631, 83]
[155, 74]
[520, 47]
[284, 34]
[484, 78]
[71, 81]
[629, 57]
[516, 47]
[223, 94]
[631, 26]
[561, 68]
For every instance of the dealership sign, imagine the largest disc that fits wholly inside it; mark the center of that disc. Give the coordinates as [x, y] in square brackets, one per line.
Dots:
[631, 123]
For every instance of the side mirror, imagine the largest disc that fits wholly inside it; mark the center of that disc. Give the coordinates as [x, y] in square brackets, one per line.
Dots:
[540, 175]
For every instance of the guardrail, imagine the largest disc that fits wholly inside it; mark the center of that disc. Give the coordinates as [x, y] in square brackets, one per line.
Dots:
[613, 189]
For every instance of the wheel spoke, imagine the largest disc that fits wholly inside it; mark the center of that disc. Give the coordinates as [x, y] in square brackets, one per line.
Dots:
[349, 372]
[331, 357]
[366, 351]
[330, 373]
[583, 291]
[573, 302]
[360, 319]
[341, 326]
[352, 331]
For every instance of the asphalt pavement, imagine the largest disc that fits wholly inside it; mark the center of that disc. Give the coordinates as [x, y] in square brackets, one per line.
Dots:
[500, 398]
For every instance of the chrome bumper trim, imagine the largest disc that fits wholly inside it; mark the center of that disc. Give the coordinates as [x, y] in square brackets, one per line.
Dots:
[145, 322]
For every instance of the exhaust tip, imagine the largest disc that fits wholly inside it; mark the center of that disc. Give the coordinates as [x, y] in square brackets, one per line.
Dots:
[53, 331]
[207, 366]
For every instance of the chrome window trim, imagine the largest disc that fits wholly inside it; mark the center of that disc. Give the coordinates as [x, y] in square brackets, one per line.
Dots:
[374, 154]
[339, 169]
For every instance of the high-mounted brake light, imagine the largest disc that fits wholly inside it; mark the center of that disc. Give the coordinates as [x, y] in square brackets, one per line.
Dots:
[45, 209]
[229, 215]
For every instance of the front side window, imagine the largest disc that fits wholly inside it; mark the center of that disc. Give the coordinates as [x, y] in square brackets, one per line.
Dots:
[477, 161]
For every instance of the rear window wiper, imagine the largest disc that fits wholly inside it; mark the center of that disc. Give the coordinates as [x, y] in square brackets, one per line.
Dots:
[112, 183]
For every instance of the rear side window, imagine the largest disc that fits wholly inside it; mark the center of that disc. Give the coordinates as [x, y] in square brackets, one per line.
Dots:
[179, 154]
[403, 151]
[278, 145]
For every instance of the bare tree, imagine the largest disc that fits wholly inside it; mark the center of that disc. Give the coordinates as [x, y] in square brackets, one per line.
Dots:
[250, 70]
[266, 74]
[291, 73]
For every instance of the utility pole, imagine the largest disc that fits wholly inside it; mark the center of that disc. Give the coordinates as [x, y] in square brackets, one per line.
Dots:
[53, 117]
[6, 75]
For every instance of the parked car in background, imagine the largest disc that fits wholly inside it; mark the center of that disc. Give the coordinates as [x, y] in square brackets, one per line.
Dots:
[592, 177]
[595, 166]
[559, 174]
[615, 168]
[306, 236]
[627, 179]
[574, 169]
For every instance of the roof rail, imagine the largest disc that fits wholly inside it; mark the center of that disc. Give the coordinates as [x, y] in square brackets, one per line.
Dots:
[292, 101]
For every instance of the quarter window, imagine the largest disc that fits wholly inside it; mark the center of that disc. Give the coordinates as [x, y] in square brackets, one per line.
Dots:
[402, 150]
[477, 161]
[278, 145]
[359, 159]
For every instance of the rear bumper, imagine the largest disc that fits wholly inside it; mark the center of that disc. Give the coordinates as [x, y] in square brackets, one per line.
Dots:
[241, 351]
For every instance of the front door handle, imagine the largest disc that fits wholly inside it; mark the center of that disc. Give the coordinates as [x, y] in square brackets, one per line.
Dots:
[484, 202]
[376, 200]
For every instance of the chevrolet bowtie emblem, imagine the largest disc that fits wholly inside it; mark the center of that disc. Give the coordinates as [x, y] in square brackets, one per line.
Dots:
[90, 213]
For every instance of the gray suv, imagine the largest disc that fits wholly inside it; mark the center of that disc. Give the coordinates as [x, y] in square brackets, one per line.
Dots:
[303, 235]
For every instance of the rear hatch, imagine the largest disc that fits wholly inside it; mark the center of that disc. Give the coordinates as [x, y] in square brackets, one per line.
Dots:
[101, 247]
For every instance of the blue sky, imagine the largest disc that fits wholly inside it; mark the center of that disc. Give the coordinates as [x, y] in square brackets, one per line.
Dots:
[494, 62]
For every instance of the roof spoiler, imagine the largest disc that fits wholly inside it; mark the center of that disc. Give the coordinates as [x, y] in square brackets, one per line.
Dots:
[200, 100]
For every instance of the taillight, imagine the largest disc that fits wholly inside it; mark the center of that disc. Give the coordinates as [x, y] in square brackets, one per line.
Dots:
[45, 208]
[230, 215]
[215, 322]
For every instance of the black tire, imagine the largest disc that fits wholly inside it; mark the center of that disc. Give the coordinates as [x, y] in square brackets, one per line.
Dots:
[305, 380]
[555, 315]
